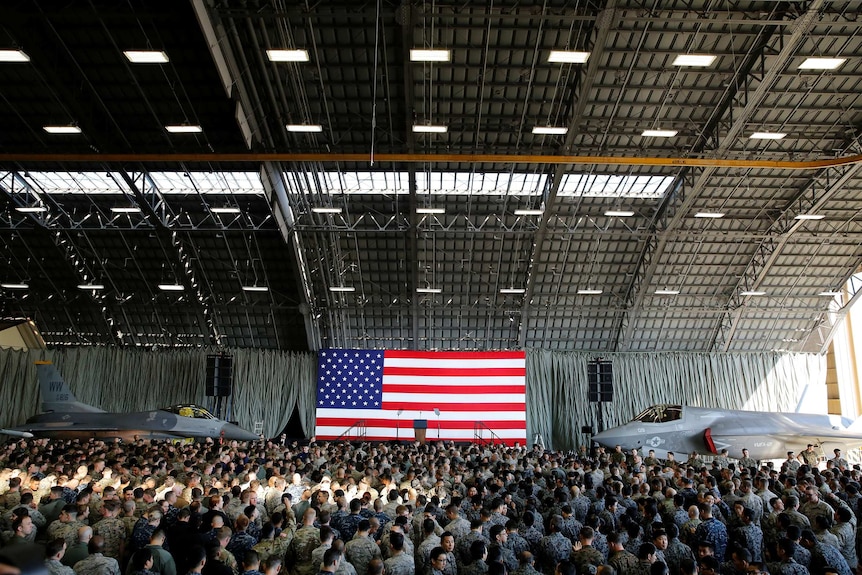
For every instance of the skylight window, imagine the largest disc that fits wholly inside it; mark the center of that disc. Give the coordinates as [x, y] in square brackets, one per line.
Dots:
[614, 186]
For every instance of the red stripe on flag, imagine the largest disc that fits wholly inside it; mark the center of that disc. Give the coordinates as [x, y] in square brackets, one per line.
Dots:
[497, 441]
[478, 371]
[487, 408]
[451, 390]
[454, 354]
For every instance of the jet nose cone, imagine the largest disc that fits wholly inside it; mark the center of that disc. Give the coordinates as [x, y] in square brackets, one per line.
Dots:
[606, 438]
[236, 432]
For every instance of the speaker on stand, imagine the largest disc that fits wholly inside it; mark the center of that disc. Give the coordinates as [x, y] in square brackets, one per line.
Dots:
[219, 381]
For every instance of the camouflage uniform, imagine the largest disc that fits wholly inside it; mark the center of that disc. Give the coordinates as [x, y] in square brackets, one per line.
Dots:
[317, 554]
[67, 531]
[114, 532]
[276, 547]
[624, 562]
[298, 556]
[360, 551]
[458, 528]
[97, 564]
[422, 558]
[345, 568]
[571, 528]
[507, 557]
[239, 543]
[552, 549]
[525, 570]
[477, 567]
[585, 557]
[228, 559]
[789, 567]
[462, 546]
[56, 568]
[401, 564]
[516, 543]
[674, 554]
[823, 556]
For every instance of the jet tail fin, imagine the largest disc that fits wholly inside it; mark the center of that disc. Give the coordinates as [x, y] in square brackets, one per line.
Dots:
[56, 395]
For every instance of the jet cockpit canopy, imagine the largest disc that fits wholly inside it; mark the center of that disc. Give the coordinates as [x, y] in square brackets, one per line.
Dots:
[189, 410]
[660, 414]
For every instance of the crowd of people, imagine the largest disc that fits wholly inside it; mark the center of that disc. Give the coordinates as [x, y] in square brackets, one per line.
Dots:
[91, 507]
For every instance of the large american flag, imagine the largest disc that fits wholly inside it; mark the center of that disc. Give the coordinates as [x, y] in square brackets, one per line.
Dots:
[388, 390]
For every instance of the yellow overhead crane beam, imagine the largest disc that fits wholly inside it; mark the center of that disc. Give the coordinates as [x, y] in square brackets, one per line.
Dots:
[436, 159]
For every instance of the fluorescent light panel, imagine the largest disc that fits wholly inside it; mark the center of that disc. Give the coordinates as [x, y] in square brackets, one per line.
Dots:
[767, 136]
[184, 129]
[589, 292]
[287, 55]
[13, 56]
[618, 214]
[529, 212]
[225, 210]
[172, 287]
[666, 292]
[326, 210]
[695, 60]
[14, 285]
[550, 130]
[307, 128]
[822, 63]
[62, 129]
[659, 133]
[429, 290]
[430, 210]
[146, 56]
[830, 293]
[513, 290]
[93, 287]
[31, 209]
[710, 215]
[126, 210]
[568, 57]
[809, 217]
[255, 288]
[423, 55]
[752, 293]
[429, 129]
[342, 289]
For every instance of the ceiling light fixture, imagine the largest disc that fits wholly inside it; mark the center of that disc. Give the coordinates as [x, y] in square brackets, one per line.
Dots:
[62, 129]
[304, 128]
[752, 293]
[666, 292]
[326, 210]
[709, 215]
[830, 293]
[13, 56]
[808, 217]
[695, 60]
[184, 129]
[618, 214]
[31, 209]
[430, 210]
[146, 56]
[172, 287]
[255, 288]
[342, 289]
[568, 57]
[550, 130]
[513, 290]
[287, 55]
[126, 210]
[529, 212]
[659, 133]
[423, 55]
[91, 287]
[822, 63]
[14, 285]
[590, 292]
[429, 290]
[225, 210]
[767, 136]
[429, 129]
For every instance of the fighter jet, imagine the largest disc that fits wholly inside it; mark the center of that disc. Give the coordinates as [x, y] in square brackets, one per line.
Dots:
[767, 435]
[65, 417]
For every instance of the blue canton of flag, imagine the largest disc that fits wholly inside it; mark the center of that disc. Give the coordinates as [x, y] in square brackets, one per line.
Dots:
[349, 379]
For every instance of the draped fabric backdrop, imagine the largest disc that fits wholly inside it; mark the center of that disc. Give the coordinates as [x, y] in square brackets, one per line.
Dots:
[268, 384]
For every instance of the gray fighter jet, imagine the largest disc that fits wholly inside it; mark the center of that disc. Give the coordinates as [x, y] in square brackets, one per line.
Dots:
[65, 417]
[767, 435]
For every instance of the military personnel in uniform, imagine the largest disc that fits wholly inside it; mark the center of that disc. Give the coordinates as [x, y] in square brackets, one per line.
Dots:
[809, 456]
[554, 547]
[66, 525]
[438, 560]
[625, 562]
[112, 529]
[499, 537]
[270, 545]
[839, 462]
[305, 541]
[399, 562]
[746, 462]
[823, 556]
[787, 565]
[477, 564]
[526, 564]
[585, 554]
[96, 563]
[54, 551]
[361, 549]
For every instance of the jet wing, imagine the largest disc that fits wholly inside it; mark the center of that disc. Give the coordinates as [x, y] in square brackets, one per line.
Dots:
[773, 439]
[71, 430]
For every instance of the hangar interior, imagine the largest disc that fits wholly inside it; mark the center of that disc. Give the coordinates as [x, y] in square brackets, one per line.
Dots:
[589, 176]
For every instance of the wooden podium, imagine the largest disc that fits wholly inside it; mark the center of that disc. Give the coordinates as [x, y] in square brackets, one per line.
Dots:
[420, 427]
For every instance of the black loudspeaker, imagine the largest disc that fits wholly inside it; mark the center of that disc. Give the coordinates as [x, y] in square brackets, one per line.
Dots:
[600, 377]
[219, 375]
